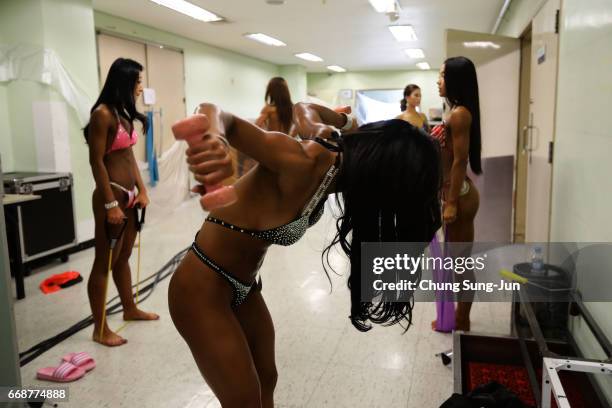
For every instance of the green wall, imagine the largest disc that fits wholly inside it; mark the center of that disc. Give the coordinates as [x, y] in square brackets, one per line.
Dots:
[6, 142]
[295, 75]
[42, 23]
[235, 82]
[19, 94]
[326, 86]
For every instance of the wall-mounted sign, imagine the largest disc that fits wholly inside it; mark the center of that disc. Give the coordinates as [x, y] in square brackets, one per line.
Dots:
[541, 54]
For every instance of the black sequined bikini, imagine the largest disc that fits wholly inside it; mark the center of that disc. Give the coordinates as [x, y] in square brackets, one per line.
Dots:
[285, 235]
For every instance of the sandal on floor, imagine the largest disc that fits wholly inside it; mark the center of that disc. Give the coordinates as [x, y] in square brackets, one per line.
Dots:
[82, 360]
[65, 372]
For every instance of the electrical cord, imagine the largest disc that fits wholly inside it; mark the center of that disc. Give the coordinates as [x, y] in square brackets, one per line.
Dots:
[112, 308]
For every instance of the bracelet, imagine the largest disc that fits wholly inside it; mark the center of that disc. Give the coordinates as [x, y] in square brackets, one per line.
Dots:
[111, 205]
[349, 122]
[224, 140]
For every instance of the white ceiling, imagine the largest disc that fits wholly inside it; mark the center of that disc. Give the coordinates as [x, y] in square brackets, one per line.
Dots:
[348, 33]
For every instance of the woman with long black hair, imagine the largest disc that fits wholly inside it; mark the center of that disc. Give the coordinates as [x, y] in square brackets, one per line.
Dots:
[110, 135]
[460, 142]
[386, 176]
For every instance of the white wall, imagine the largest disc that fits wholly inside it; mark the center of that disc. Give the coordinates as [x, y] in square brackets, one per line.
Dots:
[582, 190]
[326, 86]
[498, 85]
[519, 15]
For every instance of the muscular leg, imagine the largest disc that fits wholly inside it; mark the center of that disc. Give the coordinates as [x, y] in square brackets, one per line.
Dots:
[96, 285]
[122, 275]
[258, 328]
[462, 231]
[200, 306]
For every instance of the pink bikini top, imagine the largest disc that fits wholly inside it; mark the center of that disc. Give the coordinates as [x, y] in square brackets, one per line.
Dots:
[123, 140]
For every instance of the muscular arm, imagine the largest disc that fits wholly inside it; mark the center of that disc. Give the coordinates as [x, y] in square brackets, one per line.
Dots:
[315, 120]
[262, 120]
[460, 124]
[274, 150]
[99, 125]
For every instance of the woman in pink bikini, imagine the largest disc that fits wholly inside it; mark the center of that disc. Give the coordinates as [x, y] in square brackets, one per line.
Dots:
[110, 135]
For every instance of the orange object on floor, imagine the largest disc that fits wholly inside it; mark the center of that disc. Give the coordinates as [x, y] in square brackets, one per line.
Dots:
[59, 281]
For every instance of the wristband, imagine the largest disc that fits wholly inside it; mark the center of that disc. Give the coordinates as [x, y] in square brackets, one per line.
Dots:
[111, 205]
[224, 140]
[349, 122]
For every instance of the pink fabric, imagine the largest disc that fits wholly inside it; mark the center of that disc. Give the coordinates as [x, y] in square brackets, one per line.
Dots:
[82, 360]
[64, 370]
[445, 306]
[123, 140]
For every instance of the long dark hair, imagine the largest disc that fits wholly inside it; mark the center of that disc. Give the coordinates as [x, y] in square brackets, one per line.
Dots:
[118, 92]
[389, 180]
[277, 94]
[462, 90]
[407, 92]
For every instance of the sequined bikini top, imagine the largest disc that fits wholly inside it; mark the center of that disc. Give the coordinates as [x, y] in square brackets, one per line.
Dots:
[290, 233]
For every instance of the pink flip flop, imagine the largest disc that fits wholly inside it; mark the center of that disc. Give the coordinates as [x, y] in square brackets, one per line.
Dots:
[65, 372]
[81, 360]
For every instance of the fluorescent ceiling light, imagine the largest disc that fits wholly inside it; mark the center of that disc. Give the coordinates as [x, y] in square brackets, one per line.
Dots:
[423, 65]
[403, 32]
[336, 68]
[190, 10]
[309, 57]
[415, 53]
[481, 44]
[266, 39]
[384, 6]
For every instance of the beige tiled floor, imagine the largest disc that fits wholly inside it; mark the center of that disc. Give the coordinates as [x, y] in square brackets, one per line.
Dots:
[322, 360]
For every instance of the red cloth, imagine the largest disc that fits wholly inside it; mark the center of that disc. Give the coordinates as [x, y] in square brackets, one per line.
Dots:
[53, 283]
[516, 379]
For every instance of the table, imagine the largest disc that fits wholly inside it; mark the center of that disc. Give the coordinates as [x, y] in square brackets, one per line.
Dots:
[17, 199]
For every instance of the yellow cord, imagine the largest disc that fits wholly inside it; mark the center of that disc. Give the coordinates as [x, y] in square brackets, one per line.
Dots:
[138, 267]
[122, 327]
[110, 261]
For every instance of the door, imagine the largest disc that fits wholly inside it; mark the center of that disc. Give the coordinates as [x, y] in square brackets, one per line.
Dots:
[520, 189]
[497, 60]
[166, 76]
[539, 136]
[109, 49]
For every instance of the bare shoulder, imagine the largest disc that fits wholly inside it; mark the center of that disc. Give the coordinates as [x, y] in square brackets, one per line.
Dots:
[460, 118]
[102, 115]
[269, 109]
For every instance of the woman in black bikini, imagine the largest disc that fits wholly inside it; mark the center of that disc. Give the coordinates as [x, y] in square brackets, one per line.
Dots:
[214, 296]
[110, 135]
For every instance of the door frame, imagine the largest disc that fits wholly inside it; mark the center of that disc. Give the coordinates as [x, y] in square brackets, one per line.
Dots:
[519, 208]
